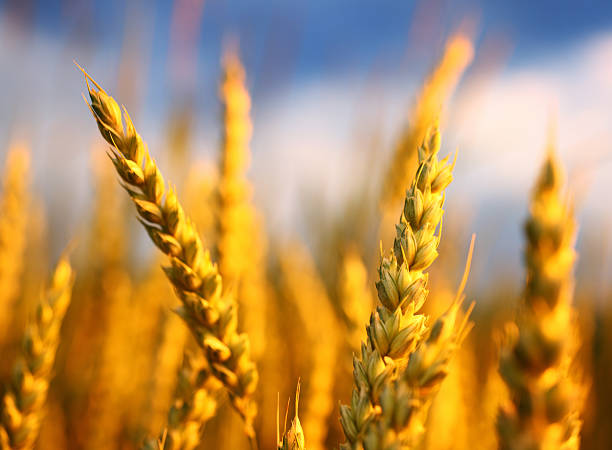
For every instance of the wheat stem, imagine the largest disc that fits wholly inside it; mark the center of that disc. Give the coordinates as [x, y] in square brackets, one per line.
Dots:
[305, 288]
[13, 223]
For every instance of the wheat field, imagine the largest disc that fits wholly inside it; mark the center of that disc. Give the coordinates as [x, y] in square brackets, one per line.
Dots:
[176, 317]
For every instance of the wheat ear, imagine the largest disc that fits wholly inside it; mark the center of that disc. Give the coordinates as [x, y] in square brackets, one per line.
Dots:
[396, 327]
[240, 245]
[210, 313]
[233, 215]
[535, 360]
[24, 402]
[405, 403]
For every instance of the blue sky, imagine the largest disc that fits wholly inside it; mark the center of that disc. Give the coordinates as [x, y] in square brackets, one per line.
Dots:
[310, 38]
[318, 71]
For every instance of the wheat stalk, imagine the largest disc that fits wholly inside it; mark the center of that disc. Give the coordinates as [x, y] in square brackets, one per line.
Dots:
[209, 311]
[106, 395]
[354, 295]
[240, 245]
[396, 327]
[456, 403]
[438, 87]
[102, 320]
[305, 288]
[535, 360]
[167, 362]
[233, 189]
[23, 403]
[13, 223]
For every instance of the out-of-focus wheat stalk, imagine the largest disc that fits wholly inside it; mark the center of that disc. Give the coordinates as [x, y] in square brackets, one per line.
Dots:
[306, 289]
[456, 406]
[233, 188]
[495, 392]
[437, 89]
[167, 361]
[24, 402]
[240, 241]
[200, 196]
[103, 320]
[14, 205]
[240, 246]
[544, 412]
[209, 311]
[355, 297]
[52, 434]
[195, 403]
[396, 328]
[113, 379]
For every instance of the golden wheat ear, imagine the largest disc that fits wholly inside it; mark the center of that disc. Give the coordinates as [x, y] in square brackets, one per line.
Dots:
[240, 243]
[536, 358]
[208, 310]
[24, 402]
[398, 337]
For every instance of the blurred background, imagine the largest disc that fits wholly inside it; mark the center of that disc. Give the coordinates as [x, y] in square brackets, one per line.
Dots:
[333, 87]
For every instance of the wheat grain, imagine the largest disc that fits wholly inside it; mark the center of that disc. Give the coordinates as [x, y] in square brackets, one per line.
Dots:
[534, 363]
[209, 311]
[24, 402]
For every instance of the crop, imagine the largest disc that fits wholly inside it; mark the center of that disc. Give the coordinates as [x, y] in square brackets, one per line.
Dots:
[403, 360]
[544, 411]
[387, 351]
[209, 312]
[24, 402]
